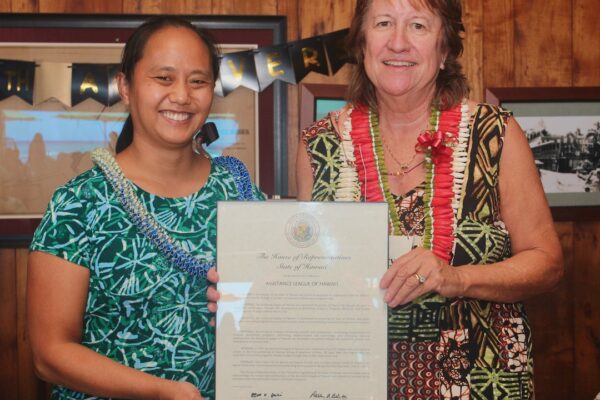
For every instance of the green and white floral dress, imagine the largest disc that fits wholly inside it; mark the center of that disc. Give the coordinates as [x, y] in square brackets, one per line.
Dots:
[141, 310]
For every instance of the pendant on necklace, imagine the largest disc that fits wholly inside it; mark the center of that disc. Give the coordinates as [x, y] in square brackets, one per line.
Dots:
[397, 173]
[404, 169]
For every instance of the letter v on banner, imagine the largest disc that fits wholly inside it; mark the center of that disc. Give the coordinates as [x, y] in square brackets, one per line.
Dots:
[308, 55]
[238, 69]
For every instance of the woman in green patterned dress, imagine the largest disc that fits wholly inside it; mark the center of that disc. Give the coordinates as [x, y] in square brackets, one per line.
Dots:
[117, 286]
[457, 174]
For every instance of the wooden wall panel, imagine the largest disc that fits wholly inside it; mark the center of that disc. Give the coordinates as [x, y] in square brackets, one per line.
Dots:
[472, 59]
[30, 387]
[586, 43]
[293, 136]
[19, 6]
[322, 16]
[289, 9]
[551, 317]
[229, 7]
[80, 6]
[8, 323]
[498, 44]
[543, 51]
[27, 380]
[314, 17]
[167, 6]
[343, 10]
[317, 17]
[587, 309]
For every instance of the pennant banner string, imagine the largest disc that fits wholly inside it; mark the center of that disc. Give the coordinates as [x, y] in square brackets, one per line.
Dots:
[254, 69]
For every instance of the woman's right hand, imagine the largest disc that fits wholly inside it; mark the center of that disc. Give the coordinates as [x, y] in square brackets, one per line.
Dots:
[179, 390]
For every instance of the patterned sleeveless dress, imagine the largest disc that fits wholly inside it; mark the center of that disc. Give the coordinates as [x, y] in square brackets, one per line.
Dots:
[448, 348]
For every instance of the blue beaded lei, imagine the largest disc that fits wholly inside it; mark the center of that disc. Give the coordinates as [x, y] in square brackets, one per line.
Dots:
[148, 225]
[240, 175]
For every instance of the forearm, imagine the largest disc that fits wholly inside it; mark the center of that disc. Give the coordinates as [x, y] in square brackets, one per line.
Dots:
[523, 275]
[79, 368]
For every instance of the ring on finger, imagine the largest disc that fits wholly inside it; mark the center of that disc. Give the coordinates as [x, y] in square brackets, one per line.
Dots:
[420, 279]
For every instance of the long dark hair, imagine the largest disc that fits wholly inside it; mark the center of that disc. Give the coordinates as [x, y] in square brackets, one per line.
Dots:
[134, 51]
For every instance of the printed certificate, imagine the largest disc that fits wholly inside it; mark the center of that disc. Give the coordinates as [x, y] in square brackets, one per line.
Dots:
[301, 314]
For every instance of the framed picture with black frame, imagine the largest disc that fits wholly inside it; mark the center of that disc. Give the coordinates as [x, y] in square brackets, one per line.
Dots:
[562, 125]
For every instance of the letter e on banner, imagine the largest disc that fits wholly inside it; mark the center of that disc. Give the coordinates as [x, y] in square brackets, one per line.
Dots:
[273, 63]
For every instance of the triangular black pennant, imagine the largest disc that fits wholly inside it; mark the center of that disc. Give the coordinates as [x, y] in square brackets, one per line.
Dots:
[238, 69]
[16, 78]
[335, 46]
[255, 69]
[89, 81]
[219, 88]
[113, 89]
[308, 55]
[274, 63]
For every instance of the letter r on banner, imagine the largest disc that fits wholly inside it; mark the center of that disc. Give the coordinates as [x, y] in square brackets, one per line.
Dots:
[310, 57]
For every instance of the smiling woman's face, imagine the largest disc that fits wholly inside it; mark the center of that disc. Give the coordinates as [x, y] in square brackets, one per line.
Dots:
[402, 48]
[171, 90]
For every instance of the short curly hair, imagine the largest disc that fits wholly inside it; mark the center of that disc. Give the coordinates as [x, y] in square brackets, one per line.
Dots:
[451, 83]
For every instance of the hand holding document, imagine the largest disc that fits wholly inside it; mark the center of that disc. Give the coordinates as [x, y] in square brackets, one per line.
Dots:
[301, 315]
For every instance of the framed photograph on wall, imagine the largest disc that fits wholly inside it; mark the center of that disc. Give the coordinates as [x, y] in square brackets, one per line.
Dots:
[562, 126]
[317, 100]
[44, 144]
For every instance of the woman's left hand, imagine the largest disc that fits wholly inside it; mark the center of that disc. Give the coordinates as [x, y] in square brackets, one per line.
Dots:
[418, 272]
[211, 293]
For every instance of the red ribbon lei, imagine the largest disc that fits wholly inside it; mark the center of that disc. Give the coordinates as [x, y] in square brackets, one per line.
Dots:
[439, 223]
[441, 142]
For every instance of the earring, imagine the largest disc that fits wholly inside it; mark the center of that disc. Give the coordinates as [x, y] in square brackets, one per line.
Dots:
[197, 145]
[443, 64]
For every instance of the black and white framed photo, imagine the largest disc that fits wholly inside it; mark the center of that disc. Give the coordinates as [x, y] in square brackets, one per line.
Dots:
[562, 126]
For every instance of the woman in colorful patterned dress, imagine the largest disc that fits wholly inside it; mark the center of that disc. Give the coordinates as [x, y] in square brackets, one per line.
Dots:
[117, 287]
[457, 174]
